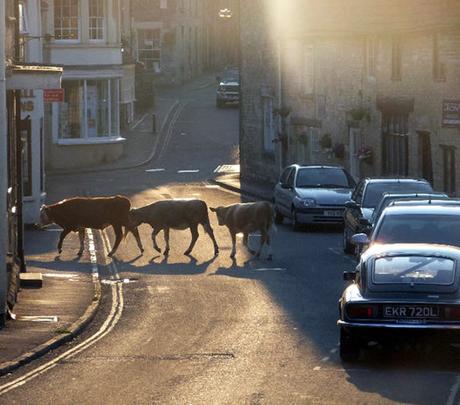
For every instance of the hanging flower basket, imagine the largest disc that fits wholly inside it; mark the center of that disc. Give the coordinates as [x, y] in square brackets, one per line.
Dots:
[365, 154]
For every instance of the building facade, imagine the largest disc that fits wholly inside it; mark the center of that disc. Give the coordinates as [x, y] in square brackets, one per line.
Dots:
[373, 88]
[84, 36]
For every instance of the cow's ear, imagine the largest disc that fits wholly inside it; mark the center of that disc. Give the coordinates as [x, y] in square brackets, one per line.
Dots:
[213, 209]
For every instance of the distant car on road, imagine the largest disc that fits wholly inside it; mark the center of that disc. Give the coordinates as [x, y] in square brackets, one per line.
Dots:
[228, 91]
[309, 194]
[367, 195]
[400, 291]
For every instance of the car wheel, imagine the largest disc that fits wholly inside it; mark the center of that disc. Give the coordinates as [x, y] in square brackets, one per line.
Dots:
[348, 247]
[349, 347]
[295, 222]
[278, 217]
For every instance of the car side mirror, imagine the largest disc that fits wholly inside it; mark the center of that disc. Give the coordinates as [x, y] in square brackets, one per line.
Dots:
[360, 239]
[351, 204]
[349, 275]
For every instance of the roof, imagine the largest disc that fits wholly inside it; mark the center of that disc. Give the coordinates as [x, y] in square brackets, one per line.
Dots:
[422, 209]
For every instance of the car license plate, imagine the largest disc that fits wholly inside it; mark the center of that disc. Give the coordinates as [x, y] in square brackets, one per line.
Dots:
[410, 311]
[333, 213]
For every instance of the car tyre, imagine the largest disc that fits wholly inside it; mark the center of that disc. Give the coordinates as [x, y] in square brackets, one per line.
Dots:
[278, 217]
[348, 247]
[349, 347]
[295, 222]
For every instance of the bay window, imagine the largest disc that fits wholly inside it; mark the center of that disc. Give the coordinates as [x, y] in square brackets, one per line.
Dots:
[99, 98]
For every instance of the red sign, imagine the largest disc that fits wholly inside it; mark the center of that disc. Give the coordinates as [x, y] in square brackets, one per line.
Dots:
[451, 113]
[53, 95]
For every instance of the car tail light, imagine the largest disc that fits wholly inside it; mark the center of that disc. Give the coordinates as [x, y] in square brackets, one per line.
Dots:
[361, 311]
[452, 313]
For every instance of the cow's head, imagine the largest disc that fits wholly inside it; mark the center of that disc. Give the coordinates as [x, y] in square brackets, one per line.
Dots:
[220, 213]
[44, 215]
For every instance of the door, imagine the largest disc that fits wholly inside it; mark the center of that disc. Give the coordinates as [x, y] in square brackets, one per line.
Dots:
[395, 145]
[425, 156]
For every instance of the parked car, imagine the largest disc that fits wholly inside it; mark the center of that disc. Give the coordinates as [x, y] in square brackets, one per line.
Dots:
[228, 91]
[400, 291]
[310, 194]
[366, 196]
[389, 198]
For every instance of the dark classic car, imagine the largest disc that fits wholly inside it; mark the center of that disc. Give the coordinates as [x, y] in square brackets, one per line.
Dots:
[367, 194]
[310, 194]
[400, 291]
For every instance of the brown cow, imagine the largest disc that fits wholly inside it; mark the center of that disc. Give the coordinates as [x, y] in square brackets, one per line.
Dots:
[175, 214]
[76, 214]
[247, 218]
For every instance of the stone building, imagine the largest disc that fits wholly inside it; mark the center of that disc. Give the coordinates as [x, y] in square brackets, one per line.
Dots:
[373, 86]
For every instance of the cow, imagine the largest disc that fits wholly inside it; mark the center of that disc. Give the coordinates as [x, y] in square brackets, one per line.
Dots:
[247, 218]
[77, 213]
[175, 214]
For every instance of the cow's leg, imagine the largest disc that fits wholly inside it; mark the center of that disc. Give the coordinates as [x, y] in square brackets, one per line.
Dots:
[154, 239]
[118, 237]
[64, 233]
[245, 243]
[194, 231]
[166, 235]
[207, 227]
[135, 232]
[233, 252]
[81, 235]
[269, 240]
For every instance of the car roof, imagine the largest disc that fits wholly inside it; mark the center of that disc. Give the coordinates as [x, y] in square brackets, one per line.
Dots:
[423, 249]
[414, 195]
[394, 180]
[426, 201]
[416, 208]
[302, 166]
[229, 81]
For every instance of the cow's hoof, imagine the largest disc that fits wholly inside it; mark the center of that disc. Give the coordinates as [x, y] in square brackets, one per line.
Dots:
[187, 252]
[80, 252]
[110, 254]
[270, 257]
[216, 252]
[252, 252]
[157, 249]
[166, 253]
[59, 251]
[232, 256]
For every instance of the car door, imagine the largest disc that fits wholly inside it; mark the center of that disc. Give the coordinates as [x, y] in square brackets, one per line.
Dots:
[352, 214]
[280, 195]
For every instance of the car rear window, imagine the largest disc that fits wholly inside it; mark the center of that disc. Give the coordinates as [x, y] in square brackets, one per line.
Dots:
[419, 228]
[375, 191]
[322, 177]
[414, 270]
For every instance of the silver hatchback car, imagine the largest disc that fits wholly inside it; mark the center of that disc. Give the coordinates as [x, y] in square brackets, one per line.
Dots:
[312, 194]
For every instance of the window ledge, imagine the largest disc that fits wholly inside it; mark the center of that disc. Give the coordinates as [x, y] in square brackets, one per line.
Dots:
[91, 141]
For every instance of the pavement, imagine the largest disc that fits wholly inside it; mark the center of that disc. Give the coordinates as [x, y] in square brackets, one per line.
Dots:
[53, 314]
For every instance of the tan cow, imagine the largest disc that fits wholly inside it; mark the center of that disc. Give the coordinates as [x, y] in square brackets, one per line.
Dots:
[175, 214]
[76, 214]
[247, 218]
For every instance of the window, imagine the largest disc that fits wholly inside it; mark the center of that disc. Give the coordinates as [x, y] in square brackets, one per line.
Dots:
[396, 60]
[269, 145]
[439, 68]
[99, 98]
[96, 20]
[395, 136]
[149, 50]
[371, 56]
[285, 175]
[23, 22]
[66, 19]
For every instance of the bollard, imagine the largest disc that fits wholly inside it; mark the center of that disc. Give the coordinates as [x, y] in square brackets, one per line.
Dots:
[154, 123]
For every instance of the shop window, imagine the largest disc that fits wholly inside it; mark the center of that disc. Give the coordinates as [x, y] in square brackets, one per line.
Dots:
[96, 20]
[99, 98]
[66, 19]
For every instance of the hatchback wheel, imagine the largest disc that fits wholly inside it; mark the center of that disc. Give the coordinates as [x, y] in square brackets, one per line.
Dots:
[349, 347]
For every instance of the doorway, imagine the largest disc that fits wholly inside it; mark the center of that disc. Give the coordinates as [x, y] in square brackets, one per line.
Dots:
[424, 144]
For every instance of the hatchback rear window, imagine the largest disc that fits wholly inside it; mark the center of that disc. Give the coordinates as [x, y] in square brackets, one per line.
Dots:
[374, 191]
[414, 270]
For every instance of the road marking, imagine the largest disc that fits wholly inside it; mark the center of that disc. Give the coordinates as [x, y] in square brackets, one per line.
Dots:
[154, 170]
[60, 275]
[211, 186]
[188, 171]
[453, 392]
[324, 359]
[317, 368]
[37, 318]
[108, 325]
[227, 169]
[333, 351]
[270, 269]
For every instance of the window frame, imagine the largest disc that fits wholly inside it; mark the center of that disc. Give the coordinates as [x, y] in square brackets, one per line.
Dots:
[103, 19]
[78, 17]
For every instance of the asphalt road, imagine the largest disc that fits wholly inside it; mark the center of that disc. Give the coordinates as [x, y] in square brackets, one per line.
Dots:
[204, 330]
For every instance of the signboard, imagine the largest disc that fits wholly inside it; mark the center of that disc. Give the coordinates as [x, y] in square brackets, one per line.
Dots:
[53, 95]
[451, 113]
